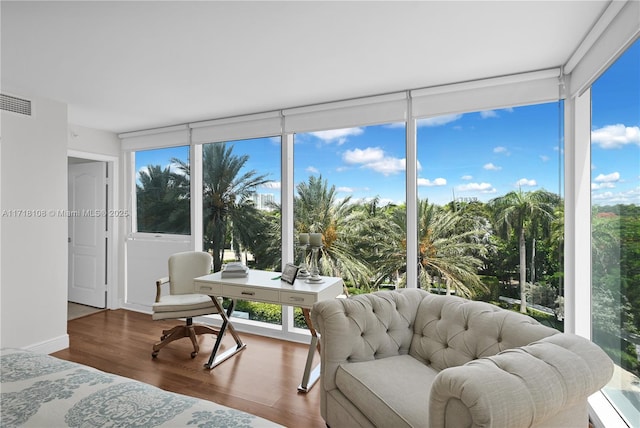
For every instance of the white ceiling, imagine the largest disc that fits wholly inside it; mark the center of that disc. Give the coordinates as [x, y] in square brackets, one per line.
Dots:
[124, 66]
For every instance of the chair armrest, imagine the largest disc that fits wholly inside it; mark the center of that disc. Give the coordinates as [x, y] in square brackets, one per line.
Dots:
[159, 284]
[521, 386]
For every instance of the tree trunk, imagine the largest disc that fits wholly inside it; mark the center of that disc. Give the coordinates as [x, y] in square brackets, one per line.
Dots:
[218, 245]
[533, 261]
[523, 272]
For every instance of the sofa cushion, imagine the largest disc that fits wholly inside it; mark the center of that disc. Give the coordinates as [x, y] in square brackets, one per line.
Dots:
[391, 392]
[450, 331]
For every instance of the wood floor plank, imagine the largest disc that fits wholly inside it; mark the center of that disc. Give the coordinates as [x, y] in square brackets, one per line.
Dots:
[261, 380]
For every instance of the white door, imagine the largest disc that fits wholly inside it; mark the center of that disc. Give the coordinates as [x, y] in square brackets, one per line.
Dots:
[88, 223]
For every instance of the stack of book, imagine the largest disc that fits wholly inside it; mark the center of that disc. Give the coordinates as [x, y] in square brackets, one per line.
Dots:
[234, 270]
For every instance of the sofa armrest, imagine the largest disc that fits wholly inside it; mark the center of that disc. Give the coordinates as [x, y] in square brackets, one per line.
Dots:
[521, 386]
[362, 328]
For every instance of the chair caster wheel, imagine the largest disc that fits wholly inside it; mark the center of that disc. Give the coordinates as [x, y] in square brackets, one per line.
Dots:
[193, 354]
[154, 354]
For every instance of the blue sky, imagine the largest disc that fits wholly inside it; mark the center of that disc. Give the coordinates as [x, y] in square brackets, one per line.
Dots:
[615, 135]
[479, 155]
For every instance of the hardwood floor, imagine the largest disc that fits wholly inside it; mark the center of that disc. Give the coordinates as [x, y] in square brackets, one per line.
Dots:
[261, 380]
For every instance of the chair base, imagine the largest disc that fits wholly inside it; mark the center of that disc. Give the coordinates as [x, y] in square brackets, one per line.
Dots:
[181, 331]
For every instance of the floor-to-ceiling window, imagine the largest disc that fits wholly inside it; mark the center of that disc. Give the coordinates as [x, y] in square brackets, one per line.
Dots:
[350, 186]
[615, 227]
[241, 218]
[490, 212]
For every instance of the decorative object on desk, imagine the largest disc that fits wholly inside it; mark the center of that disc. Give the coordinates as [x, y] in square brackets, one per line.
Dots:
[303, 245]
[315, 242]
[234, 270]
[289, 273]
[315, 239]
[303, 269]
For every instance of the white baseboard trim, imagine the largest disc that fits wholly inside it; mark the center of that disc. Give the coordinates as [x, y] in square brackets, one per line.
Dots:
[137, 308]
[49, 346]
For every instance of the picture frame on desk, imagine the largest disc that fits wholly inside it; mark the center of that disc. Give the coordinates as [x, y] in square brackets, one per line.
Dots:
[289, 273]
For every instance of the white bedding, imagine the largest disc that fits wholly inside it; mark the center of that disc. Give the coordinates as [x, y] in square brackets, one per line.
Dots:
[42, 391]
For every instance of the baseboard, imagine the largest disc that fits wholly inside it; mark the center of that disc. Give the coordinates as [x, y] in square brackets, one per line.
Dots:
[50, 346]
[137, 308]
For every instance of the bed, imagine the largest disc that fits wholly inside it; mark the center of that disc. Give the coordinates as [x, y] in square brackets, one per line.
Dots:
[38, 390]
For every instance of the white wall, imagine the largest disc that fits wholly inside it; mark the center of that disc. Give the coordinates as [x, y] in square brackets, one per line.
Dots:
[93, 141]
[33, 279]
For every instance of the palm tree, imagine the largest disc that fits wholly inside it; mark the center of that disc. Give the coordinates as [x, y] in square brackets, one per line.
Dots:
[449, 249]
[517, 212]
[227, 205]
[162, 198]
[377, 238]
[317, 209]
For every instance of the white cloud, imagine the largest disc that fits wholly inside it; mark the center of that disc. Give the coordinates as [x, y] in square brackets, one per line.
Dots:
[337, 135]
[526, 182]
[615, 136]
[395, 125]
[486, 114]
[370, 154]
[344, 189]
[143, 170]
[491, 167]
[501, 149]
[312, 170]
[605, 181]
[607, 178]
[374, 158]
[436, 182]
[439, 120]
[388, 166]
[544, 158]
[610, 198]
[598, 186]
[477, 187]
[467, 177]
[271, 185]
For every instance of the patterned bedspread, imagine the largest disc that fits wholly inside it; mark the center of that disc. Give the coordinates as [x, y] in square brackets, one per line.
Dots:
[42, 391]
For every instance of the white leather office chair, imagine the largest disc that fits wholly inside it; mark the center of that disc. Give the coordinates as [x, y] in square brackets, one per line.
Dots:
[182, 301]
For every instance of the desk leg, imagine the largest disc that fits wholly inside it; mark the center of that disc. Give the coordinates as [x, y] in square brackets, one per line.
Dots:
[310, 377]
[215, 359]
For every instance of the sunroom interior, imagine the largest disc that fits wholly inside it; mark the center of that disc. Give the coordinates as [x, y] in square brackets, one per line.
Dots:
[110, 83]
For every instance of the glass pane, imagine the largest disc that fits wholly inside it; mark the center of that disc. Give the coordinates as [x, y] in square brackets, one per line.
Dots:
[241, 211]
[615, 226]
[350, 187]
[490, 209]
[162, 191]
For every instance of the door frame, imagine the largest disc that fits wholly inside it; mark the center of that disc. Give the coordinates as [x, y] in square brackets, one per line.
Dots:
[113, 250]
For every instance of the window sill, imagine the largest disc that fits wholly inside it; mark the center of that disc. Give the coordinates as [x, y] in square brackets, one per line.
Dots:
[603, 414]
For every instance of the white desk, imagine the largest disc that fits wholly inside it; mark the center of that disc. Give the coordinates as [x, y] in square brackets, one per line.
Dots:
[265, 286]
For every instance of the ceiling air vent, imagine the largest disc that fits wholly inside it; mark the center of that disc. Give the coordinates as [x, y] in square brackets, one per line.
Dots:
[15, 105]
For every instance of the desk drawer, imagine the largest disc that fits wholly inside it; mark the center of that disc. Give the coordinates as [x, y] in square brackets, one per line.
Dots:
[208, 288]
[251, 293]
[297, 299]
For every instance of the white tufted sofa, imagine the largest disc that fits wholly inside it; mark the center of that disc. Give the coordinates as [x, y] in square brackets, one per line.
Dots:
[408, 358]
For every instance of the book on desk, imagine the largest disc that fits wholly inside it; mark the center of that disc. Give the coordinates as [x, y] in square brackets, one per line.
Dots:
[234, 270]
